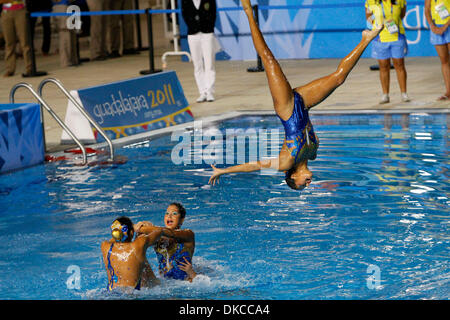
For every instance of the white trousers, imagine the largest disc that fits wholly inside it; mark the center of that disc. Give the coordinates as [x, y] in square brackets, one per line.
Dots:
[203, 53]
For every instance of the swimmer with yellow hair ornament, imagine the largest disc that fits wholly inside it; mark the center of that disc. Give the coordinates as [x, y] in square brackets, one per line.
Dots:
[125, 260]
[291, 106]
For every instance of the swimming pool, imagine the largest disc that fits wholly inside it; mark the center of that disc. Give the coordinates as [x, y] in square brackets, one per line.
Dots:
[373, 225]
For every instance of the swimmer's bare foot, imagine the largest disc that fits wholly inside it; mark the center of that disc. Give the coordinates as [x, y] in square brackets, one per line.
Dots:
[247, 6]
[369, 35]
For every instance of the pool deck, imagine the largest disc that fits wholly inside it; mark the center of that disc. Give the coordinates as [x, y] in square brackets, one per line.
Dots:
[236, 89]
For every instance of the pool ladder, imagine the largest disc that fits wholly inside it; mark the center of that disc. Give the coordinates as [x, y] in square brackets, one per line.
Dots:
[44, 104]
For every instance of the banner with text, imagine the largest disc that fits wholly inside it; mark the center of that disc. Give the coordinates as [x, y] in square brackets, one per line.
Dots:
[307, 29]
[133, 106]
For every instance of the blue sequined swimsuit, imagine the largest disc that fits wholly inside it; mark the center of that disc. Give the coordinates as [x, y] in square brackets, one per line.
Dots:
[168, 261]
[299, 131]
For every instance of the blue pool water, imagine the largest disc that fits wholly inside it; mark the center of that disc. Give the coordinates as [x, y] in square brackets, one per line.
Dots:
[378, 206]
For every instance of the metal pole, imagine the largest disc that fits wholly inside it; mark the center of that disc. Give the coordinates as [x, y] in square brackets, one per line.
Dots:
[138, 27]
[150, 45]
[174, 25]
[80, 60]
[33, 72]
[259, 67]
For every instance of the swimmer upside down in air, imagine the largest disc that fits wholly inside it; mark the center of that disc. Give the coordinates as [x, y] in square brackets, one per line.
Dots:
[291, 106]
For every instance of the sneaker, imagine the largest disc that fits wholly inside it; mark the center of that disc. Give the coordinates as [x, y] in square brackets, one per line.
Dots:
[8, 74]
[209, 97]
[202, 98]
[384, 99]
[405, 97]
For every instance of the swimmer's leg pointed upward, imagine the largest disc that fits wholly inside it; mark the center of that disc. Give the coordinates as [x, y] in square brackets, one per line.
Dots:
[280, 88]
[312, 93]
[318, 90]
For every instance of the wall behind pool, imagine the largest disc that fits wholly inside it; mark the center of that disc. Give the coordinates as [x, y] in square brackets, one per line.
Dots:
[329, 29]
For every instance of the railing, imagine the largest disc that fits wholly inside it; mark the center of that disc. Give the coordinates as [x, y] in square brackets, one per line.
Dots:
[52, 113]
[80, 108]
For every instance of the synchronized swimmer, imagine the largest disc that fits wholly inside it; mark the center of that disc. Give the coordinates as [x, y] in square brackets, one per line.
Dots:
[291, 106]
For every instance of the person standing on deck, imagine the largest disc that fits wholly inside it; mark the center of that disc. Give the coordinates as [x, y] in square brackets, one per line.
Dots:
[14, 26]
[200, 18]
[437, 13]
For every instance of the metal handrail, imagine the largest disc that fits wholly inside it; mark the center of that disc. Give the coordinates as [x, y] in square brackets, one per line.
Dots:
[176, 36]
[83, 112]
[52, 113]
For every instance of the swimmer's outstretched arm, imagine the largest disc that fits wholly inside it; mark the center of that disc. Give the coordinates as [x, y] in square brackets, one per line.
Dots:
[184, 235]
[150, 238]
[279, 164]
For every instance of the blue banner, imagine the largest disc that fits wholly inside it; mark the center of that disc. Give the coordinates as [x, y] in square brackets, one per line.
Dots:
[307, 29]
[21, 137]
[132, 106]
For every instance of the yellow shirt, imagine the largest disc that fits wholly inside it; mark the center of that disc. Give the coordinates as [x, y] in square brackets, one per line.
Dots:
[388, 12]
[436, 18]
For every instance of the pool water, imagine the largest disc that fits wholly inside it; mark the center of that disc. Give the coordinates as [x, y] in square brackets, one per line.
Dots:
[374, 224]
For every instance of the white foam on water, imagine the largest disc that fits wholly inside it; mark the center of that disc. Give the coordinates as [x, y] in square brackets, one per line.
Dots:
[212, 278]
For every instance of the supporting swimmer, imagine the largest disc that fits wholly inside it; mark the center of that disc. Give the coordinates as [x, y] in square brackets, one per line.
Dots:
[176, 247]
[125, 260]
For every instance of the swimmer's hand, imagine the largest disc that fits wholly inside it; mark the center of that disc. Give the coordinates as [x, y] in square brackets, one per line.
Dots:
[142, 224]
[216, 174]
[187, 267]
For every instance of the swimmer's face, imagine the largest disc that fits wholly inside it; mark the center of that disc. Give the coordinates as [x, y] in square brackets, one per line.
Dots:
[172, 218]
[302, 178]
